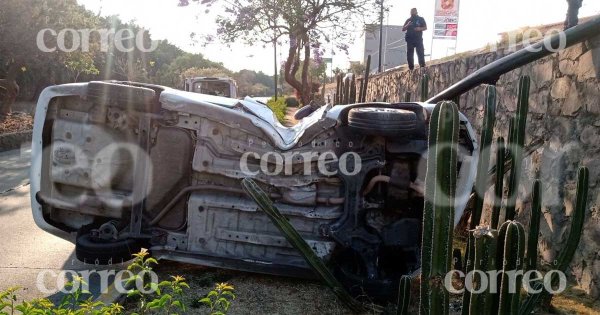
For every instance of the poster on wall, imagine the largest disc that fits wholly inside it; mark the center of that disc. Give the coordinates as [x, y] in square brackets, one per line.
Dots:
[446, 19]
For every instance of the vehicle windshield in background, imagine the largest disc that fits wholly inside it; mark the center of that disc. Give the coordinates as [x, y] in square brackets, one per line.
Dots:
[217, 88]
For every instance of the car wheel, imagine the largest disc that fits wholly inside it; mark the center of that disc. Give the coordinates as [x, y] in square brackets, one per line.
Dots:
[383, 121]
[91, 250]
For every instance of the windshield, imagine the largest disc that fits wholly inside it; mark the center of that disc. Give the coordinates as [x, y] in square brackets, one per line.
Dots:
[218, 88]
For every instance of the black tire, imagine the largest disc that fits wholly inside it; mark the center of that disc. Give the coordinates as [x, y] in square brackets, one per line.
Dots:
[100, 252]
[383, 121]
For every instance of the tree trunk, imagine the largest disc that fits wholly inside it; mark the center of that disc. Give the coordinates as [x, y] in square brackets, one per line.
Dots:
[292, 65]
[306, 88]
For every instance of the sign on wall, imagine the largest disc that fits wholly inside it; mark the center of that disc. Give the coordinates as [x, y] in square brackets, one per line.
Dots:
[446, 19]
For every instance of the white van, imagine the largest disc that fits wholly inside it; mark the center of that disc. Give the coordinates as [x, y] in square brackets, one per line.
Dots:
[225, 87]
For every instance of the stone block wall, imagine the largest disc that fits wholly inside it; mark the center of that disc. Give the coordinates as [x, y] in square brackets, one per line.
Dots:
[564, 116]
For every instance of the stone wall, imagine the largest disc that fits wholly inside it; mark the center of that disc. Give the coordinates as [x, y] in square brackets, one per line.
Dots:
[564, 114]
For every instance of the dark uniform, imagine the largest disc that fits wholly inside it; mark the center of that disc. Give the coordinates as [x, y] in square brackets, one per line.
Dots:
[414, 40]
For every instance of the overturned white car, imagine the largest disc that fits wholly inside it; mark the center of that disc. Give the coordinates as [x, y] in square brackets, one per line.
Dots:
[119, 165]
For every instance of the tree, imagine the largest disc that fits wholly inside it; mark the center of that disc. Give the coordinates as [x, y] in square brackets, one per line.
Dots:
[21, 22]
[306, 24]
[80, 63]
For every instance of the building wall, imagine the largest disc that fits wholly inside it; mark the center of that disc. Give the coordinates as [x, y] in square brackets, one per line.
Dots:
[564, 117]
[393, 42]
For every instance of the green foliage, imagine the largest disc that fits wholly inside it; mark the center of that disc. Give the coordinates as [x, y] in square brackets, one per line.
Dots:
[279, 107]
[566, 255]
[78, 302]
[516, 143]
[219, 299]
[292, 102]
[166, 297]
[511, 250]
[440, 189]
[484, 242]
[489, 249]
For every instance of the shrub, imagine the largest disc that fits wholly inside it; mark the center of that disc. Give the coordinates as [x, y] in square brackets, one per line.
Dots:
[166, 298]
[278, 107]
[292, 102]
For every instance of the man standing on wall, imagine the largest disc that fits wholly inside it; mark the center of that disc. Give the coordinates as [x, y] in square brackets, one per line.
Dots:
[414, 28]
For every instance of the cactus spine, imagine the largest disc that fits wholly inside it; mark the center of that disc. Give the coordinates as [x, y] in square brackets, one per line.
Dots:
[485, 260]
[566, 255]
[403, 295]
[440, 187]
[499, 185]
[534, 227]
[424, 88]
[510, 254]
[517, 140]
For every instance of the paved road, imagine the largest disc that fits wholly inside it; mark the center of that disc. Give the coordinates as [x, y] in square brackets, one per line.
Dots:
[29, 257]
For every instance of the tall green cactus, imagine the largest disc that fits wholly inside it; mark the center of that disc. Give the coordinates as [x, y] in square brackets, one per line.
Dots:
[499, 185]
[424, 87]
[440, 188]
[403, 296]
[534, 227]
[346, 91]
[511, 251]
[483, 166]
[485, 240]
[566, 255]
[517, 141]
[487, 134]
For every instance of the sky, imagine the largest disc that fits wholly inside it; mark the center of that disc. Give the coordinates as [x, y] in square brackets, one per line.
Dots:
[480, 23]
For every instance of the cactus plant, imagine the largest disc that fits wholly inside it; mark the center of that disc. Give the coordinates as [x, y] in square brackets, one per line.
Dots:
[440, 187]
[338, 89]
[566, 255]
[534, 227]
[511, 251]
[353, 90]
[403, 296]
[485, 240]
[365, 81]
[424, 87]
[296, 240]
[346, 90]
[481, 180]
[483, 165]
[499, 185]
[516, 143]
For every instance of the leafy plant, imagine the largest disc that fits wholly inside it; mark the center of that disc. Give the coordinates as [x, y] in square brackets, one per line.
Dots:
[165, 297]
[279, 107]
[219, 299]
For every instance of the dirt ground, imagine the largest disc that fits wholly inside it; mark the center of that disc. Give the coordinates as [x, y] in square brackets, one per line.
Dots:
[20, 119]
[256, 294]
